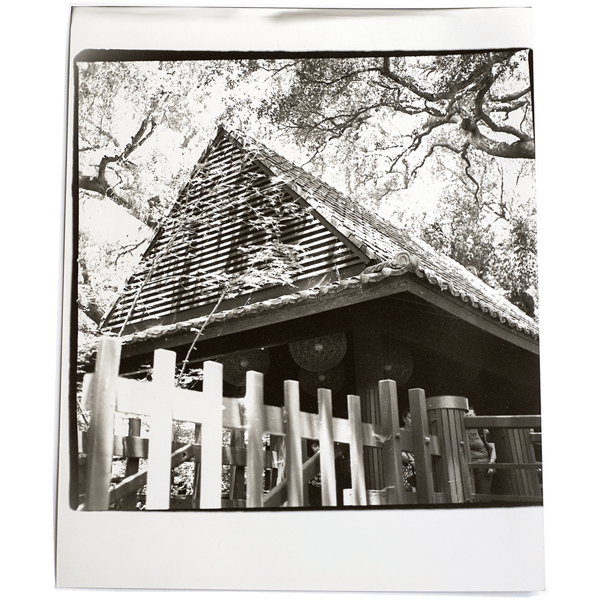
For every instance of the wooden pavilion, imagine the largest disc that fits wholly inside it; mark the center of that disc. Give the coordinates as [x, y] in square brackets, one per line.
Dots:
[366, 301]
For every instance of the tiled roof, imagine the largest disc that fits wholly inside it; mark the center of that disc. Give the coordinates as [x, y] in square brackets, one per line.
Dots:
[393, 251]
[396, 267]
[382, 241]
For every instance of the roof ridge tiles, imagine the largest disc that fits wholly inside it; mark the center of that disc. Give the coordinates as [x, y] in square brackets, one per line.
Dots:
[341, 205]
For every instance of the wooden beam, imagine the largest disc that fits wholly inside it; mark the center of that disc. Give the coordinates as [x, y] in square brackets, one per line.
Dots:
[133, 483]
[423, 325]
[281, 314]
[470, 314]
[507, 498]
[503, 421]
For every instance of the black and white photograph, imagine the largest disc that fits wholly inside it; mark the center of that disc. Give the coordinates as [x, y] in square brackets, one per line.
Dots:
[302, 293]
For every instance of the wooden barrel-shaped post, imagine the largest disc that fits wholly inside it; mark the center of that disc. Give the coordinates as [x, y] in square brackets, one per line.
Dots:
[103, 402]
[445, 416]
[514, 445]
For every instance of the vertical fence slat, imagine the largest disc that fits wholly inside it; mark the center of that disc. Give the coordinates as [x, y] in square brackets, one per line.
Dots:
[255, 452]
[212, 436]
[132, 464]
[197, 469]
[390, 427]
[326, 453]
[103, 400]
[293, 443]
[357, 465]
[421, 446]
[158, 495]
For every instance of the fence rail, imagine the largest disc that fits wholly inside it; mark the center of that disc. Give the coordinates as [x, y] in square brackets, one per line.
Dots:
[437, 441]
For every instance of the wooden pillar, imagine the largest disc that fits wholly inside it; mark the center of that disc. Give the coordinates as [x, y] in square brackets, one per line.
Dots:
[197, 468]
[369, 370]
[445, 416]
[390, 432]
[103, 399]
[421, 446]
[237, 487]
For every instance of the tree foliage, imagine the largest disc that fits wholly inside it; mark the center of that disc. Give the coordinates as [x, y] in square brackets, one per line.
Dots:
[455, 127]
[481, 101]
[390, 131]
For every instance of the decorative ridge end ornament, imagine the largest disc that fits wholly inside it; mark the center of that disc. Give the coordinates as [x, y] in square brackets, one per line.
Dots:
[403, 261]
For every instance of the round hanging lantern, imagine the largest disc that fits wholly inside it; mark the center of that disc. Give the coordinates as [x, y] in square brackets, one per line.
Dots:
[398, 364]
[333, 380]
[235, 366]
[319, 353]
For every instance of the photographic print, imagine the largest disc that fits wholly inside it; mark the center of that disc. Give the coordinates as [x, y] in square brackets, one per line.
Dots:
[304, 282]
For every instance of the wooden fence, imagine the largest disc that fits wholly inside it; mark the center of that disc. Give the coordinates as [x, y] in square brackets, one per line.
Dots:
[437, 441]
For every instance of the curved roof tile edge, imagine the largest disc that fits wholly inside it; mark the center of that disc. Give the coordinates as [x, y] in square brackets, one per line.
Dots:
[400, 265]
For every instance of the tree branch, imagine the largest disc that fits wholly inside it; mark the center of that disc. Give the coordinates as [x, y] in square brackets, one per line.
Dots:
[99, 183]
[523, 148]
[509, 98]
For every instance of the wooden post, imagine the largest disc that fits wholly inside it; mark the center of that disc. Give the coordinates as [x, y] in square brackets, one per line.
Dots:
[368, 326]
[237, 484]
[445, 415]
[197, 468]
[212, 436]
[357, 464]
[513, 445]
[102, 428]
[421, 446]
[293, 443]
[132, 464]
[390, 432]
[255, 452]
[326, 449]
[158, 486]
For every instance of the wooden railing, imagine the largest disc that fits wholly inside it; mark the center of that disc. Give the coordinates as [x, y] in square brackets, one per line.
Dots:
[517, 471]
[437, 441]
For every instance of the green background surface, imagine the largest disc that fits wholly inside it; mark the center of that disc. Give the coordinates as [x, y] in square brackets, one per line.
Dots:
[33, 44]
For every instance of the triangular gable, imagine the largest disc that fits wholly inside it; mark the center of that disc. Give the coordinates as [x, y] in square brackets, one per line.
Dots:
[220, 212]
[341, 239]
